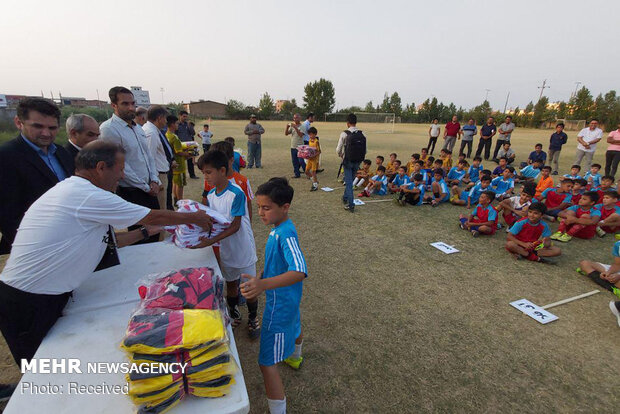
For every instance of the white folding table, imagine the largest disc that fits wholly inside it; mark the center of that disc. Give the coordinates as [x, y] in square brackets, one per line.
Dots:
[93, 327]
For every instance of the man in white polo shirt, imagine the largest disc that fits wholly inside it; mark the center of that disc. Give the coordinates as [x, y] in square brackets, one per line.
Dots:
[588, 137]
[64, 237]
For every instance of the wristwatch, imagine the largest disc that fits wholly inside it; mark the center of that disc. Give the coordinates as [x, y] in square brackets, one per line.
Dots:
[145, 233]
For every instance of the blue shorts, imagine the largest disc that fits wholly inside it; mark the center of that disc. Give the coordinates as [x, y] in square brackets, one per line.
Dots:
[278, 344]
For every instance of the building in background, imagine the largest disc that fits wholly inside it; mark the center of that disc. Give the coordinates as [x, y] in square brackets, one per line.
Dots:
[206, 109]
[279, 104]
[142, 97]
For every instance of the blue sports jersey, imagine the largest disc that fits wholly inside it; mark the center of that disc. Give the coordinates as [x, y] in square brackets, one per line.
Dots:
[600, 207]
[429, 176]
[596, 178]
[572, 177]
[443, 189]
[530, 172]
[474, 193]
[594, 212]
[423, 173]
[422, 188]
[474, 172]
[282, 254]
[236, 161]
[616, 249]
[456, 174]
[384, 182]
[501, 186]
[398, 180]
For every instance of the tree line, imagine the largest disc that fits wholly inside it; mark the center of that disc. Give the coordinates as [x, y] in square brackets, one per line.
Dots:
[319, 98]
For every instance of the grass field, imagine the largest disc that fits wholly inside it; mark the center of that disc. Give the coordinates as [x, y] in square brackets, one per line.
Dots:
[394, 325]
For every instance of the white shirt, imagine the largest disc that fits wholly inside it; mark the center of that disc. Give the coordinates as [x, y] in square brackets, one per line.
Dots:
[588, 136]
[343, 137]
[206, 136]
[156, 148]
[237, 250]
[139, 164]
[435, 128]
[62, 236]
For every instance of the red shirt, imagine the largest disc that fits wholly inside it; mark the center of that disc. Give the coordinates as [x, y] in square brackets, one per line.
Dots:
[452, 128]
[553, 198]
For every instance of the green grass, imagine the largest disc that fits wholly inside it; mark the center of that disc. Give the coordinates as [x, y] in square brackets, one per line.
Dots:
[394, 325]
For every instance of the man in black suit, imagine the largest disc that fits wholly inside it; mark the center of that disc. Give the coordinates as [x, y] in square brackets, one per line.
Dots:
[81, 129]
[30, 164]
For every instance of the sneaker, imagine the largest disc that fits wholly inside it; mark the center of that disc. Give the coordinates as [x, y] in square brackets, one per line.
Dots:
[565, 238]
[600, 232]
[581, 272]
[617, 236]
[475, 233]
[295, 363]
[294, 176]
[614, 310]
[349, 209]
[556, 235]
[462, 226]
[253, 328]
[6, 390]
[546, 261]
[615, 291]
[235, 315]
[402, 202]
[320, 170]
[314, 188]
[193, 177]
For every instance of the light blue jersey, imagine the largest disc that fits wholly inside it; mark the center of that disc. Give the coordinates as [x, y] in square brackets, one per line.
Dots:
[572, 177]
[384, 182]
[443, 189]
[596, 179]
[616, 249]
[530, 172]
[474, 193]
[421, 187]
[398, 180]
[456, 174]
[474, 172]
[500, 186]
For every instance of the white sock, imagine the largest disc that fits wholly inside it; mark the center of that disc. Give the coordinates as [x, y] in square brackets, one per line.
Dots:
[355, 181]
[297, 352]
[361, 182]
[277, 406]
[315, 184]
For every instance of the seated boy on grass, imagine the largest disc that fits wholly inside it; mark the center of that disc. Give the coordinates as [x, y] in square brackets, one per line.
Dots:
[529, 237]
[439, 189]
[604, 275]
[389, 168]
[579, 187]
[363, 174]
[504, 185]
[545, 181]
[503, 163]
[470, 198]
[377, 185]
[445, 156]
[399, 180]
[607, 184]
[418, 168]
[574, 172]
[394, 172]
[593, 177]
[483, 220]
[610, 214]
[414, 158]
[557, 199]
[529, 172]
[515, 208]
[473, 172]
[413, 193]
[580, 220]
[456, 174]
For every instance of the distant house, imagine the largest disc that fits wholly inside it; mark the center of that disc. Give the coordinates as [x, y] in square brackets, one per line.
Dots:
[279, 104]
[206, 109]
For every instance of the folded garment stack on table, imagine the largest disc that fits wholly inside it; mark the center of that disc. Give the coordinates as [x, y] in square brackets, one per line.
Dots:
[188, 235]
[306, 152]
[181, 319]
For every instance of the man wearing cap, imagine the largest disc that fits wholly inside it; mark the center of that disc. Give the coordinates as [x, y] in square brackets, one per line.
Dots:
[254, 131]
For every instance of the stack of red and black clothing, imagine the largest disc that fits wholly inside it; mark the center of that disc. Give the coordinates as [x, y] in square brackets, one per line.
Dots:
[181, 320]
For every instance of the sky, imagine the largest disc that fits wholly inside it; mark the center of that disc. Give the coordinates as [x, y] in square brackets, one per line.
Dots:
[219, 50]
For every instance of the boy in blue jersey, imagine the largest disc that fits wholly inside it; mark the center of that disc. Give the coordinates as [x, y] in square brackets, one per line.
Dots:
[282, 281]
[604, 275]
[504, 184]
[469, 198]
[473, 172]
[574, 172]
[413, 193]
[456, 174]
[593, 177]
[529, 172]
[529, 237]
[418, 168]
[237, 248]
[399, 180]
[483, 220]
[439, 189]
[378, 184]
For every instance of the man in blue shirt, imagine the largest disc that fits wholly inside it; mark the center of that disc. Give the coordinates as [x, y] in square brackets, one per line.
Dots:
[30, 164]
[558, 138]
[487, 132]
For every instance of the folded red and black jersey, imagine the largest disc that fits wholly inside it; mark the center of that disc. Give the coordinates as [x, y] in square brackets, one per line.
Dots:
[190, 288]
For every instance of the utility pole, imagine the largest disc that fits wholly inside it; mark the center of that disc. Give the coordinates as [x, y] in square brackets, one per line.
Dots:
[542, 89]
[486, 97]
[576, 88]
[506, 104]
[162, 95]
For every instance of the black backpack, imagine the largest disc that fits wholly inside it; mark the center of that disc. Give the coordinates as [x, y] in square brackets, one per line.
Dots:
[354, 146]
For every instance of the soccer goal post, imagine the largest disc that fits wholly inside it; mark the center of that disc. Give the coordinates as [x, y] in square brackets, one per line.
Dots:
[572, 124]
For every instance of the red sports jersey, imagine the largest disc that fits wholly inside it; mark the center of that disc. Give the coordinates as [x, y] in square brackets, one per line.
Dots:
[575, 199]
[482, 214]
[553, 198]
[527, 232]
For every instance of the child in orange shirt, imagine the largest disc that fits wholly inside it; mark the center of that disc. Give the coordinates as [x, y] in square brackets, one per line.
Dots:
[545, 181]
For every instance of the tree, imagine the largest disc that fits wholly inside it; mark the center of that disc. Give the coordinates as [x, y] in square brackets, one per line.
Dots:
[581, 104]
[541, 114]
[319, 97]
[385, 104]
[396, 104]
[289, 108]
[266, 107]
[369, 107]
[237, 110]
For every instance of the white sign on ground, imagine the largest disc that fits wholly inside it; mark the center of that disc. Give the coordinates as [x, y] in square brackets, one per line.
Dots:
[327, 189]
[446, 248]
[534, 311]
[358, 202]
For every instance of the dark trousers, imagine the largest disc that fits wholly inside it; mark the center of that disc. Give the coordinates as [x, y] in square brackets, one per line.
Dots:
[486, 145]
[350, 169]
[25, 319]
[498, 145]
[611, 162]
[137, 196]
[297, 163]
[205, 147]
[190, 167]
[469, 144]
[431, 141]
[169, 204]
